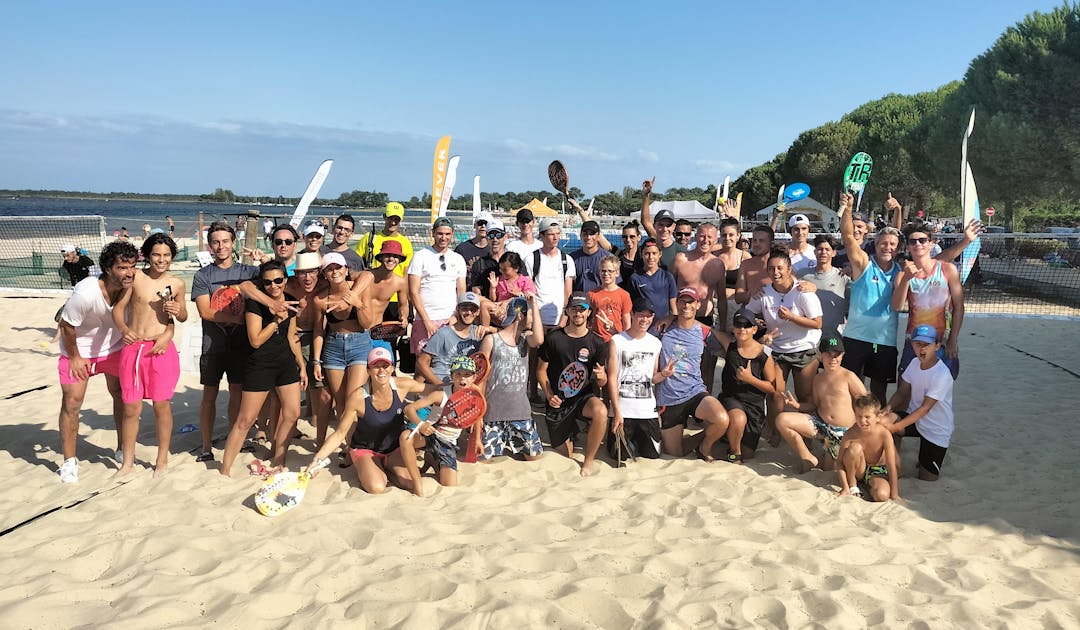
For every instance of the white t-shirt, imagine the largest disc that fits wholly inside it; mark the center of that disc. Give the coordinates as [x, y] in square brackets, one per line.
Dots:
[802, 260]
[524, 250]
[937, 383]
[550, 284]
[96, 335]
[636, 361]
[438, 280]
[792, 337]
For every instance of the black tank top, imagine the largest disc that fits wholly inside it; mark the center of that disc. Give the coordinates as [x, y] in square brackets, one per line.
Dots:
[379, 430]
[735, 388]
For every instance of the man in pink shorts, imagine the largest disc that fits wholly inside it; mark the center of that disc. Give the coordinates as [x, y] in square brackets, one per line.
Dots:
[149, 364]
[436, 280]
[91, 344]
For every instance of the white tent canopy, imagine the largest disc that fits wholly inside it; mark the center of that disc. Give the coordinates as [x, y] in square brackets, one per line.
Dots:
[820, 215]
[690, 210]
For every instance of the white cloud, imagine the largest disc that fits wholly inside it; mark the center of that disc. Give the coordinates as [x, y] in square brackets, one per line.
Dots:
[722, 167]
[648, 156]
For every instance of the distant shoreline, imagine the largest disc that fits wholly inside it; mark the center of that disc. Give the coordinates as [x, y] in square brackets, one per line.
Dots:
[164, 197]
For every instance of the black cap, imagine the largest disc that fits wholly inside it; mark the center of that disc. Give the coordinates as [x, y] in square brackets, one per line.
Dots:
[643, 303]
[744, 317]
[831, 343]
[578, 298]
[664, 214]
[525, 215]
[590, 226]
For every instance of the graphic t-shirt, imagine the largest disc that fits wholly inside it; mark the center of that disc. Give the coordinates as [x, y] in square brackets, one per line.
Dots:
[445, 344]
[508, 381]
[684, 346]
[636, 362]
[613, 305]
[560, 350]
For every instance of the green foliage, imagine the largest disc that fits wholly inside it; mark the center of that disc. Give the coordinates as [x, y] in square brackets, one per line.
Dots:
[1038, 247]
[760, 184]
[1037, 219]
[363, 199]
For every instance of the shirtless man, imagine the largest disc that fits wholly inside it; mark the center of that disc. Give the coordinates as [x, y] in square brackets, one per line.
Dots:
[383, 284]
[829, 412]
[149, 364]
[704, 271]
[753, 275]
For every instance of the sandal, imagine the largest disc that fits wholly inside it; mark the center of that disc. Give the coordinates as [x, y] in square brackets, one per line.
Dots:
[205, 456]
[704, 457]
[249, 446]
[733, 458]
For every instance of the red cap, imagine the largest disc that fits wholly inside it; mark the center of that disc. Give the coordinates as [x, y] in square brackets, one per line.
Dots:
[689, 292]
[391, 247]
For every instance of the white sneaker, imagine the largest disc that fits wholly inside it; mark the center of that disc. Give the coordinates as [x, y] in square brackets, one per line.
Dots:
[69, 471]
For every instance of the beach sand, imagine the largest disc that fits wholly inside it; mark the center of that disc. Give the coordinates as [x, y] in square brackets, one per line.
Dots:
[668, 543]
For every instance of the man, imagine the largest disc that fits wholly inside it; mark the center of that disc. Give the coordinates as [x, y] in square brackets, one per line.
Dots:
[552, 273]
[388, 295]
[436, 280]
[392, 218]
[172, 226]
[704, 271]
[313, 237]
[800, 251]
[478, 246]
[587, 258]
[684, 234]
[934, 295]
[224, 345]
[524, 244]
[661, 228]
[149, 363]
[90, 344]
[283, 239]
[752, 273]
[343, 231]
[479, 276]
[684, 394]
[304, 286]
[461, 338]
[75, 264]
[572, 401]
[832, 286]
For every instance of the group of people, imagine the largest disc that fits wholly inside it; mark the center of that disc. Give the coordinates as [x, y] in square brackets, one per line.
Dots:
[617, 345]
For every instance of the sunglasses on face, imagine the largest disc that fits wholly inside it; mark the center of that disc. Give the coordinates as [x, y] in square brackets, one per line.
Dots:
[630, 236]
[743, 324]
[590, 232]
[684, 234]
[496, 234]
[269, 281]
[922, 240]
[283, 241]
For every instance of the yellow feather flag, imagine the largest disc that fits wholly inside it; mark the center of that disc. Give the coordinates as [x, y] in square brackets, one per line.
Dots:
[438, 175]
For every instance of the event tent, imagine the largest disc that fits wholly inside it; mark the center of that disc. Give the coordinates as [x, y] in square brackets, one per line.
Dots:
[820, 215]
[690, 210]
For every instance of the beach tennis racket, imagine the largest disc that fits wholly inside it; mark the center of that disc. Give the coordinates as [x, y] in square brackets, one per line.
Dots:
[483, 366]
[283, 491]
[572, 380]
[857, 174]
[227, 300]
[558, 177]
[462, 410]
[387, 331]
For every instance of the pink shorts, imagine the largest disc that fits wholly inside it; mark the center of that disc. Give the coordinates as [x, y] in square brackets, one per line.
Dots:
[357, 453]
[108, 364]
[147, 376]
[421, 335]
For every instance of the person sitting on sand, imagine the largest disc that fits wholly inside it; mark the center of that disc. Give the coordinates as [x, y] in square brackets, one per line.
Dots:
[572, 400]
[439, 441]
[461, 337]
[828, 414]
[925, 394]
[150, 364]
[867, 457]
[379, 420]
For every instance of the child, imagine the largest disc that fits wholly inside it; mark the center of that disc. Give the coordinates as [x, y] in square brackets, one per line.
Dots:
[509, 285]
[438, 440]
[925, 391]
[869, 441]
[828, 414]
[609, 304]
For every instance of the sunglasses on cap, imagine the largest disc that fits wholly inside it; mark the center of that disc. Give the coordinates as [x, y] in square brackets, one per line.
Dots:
[283, 241]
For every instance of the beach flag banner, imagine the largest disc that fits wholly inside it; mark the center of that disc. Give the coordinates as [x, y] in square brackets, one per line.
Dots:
[476, 207]
[448, 187]
[857, 174]
[738, 208]
[309, 195]
[438, 175]
[722, 194]
[969, 200]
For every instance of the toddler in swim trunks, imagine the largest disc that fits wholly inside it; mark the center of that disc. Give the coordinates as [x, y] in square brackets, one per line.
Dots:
[868, 464]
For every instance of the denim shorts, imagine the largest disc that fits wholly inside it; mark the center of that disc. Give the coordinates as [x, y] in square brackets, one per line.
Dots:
[341, 350]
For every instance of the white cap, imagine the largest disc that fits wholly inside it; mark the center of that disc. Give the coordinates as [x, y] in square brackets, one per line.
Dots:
[68, 248]
[495, 224]
[333, 258]
[314, 228]
[798, 219]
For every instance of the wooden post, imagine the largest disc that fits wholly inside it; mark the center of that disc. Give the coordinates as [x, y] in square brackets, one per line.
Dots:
[201, 244]
[251, 235]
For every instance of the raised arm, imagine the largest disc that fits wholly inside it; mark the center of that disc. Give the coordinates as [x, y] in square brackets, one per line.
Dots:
[971, 232]
[856, 256]
[602, 240]
[646, 217]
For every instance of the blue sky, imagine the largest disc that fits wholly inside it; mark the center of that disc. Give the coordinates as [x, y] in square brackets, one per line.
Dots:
[187, 97]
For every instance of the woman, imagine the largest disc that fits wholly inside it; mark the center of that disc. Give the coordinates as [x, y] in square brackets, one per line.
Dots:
[341, 340]
[729, 252]
[275, 363]
[379, 421]
[629, 260]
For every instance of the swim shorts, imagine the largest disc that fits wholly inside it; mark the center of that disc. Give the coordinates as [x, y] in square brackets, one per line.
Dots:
[567, 421]
[672, 416]
[831, 434]
[145, 376]
[108, 364]
[511, 436]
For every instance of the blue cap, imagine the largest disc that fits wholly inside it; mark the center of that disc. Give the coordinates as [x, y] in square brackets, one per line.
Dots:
[516, 307]
[924, 333]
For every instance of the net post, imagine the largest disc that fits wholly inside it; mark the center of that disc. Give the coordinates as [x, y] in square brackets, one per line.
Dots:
[251, 234]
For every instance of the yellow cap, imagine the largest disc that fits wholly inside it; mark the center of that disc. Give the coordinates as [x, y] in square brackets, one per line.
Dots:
[395, 209]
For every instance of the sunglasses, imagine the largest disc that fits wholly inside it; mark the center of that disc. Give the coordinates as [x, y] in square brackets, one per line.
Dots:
[442, 261]
[269, 281]
[590, 232]
[922, 240]
[283, 241]
[630, 236]
[684, 234]
[743, 324]
[496, 234]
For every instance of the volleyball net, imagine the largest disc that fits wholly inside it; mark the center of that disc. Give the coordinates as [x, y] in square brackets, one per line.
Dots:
[30, 256]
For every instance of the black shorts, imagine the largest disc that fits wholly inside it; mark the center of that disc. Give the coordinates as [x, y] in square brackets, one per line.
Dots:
[755, 419]
[565, 422]
[798, 359]
[642, 437]
[263, 377]
[874, 360]
[225, 360]
[931, 456]
[392, 312]
[673, 416]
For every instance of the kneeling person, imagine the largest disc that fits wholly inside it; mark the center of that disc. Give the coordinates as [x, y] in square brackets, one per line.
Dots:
[572, 364]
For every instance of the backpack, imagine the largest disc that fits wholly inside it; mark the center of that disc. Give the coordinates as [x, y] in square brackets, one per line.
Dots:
[536, 264]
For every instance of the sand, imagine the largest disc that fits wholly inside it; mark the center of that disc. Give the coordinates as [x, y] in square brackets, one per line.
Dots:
[668, 543]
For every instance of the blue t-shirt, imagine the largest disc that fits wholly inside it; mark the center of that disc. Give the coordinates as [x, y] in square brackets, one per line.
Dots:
[211, 278]
[659, 288]
[685, 346]
[445, 344]
[588, 269]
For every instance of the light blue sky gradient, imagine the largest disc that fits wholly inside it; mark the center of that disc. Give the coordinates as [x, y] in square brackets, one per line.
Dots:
[251, 96]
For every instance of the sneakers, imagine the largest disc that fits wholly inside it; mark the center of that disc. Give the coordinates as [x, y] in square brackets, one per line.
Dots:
[69, 471]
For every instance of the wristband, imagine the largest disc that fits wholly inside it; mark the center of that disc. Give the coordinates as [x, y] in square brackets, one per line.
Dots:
[316, 362]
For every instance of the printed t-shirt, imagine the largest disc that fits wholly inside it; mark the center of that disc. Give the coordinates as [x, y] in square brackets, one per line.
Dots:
[438, 280]
[636, 362]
